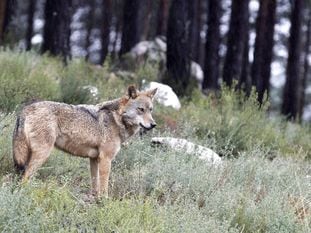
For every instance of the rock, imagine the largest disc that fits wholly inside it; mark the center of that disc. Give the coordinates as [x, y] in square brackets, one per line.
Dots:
[182, 145]
[197, 72]
[165, 95]
[155, 50]
[152, 50]
[92, 91]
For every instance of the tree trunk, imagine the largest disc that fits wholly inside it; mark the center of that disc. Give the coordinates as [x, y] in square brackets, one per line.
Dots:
[56, 35]
[194, 28]
[177, 56]
[263, 52]
[293, 78]
[6, 11]
[211, 64]
[200, 45]
[105, 30]
[306, 67]
[131, 30]
[114, 53]
[245, 82]
[235, 44]
[89, 27]
[162, 17]
[2, 18]
[146, 19]
[29, 33]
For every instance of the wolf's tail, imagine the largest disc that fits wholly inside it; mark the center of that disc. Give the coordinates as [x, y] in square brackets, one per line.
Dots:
[21, 150]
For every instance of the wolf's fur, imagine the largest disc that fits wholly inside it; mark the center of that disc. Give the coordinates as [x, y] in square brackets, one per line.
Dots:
[92, 131]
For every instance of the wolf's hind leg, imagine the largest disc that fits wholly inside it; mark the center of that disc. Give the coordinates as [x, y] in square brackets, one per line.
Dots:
[94, 175]
[38, 157]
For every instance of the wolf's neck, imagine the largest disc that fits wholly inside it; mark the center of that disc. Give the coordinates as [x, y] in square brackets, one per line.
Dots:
[125, 131]
[111, 105]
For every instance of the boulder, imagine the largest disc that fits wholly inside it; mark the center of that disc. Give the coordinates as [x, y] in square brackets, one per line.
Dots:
[182, 145]
[155, 50]
[165, 95]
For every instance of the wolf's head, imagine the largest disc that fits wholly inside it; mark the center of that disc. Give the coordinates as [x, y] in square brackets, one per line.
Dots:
[137, 109]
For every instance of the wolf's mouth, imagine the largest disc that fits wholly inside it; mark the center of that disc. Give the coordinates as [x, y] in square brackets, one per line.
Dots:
[144, 127]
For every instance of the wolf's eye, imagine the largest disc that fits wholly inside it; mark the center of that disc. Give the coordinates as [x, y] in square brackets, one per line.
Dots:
[151, 109]
[141, 109]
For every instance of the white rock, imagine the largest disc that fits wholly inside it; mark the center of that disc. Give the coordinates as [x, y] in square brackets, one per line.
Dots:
[165, 95]
[92, 90]
[140, 49]
[197, 72]
[187, 147]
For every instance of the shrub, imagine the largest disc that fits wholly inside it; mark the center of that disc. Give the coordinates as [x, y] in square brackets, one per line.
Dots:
[25, 76]
[233, 124]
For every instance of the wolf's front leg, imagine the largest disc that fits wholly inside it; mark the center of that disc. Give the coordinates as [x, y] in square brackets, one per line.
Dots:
[104, 172]
[94, 176]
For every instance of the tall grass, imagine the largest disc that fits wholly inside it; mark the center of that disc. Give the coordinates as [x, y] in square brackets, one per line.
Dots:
[263, 184]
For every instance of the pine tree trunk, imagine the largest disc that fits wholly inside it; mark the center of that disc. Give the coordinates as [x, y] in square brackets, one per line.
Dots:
[114, 53]
[56, 35]
[245, 82]
[235, 45]
[29, 33]
[177, 56]
[6, 11]
[2, 18]
[194, 28]
[261, 68]
[211, 66]
[293, 78]
[306, 67]
[131, 30]
[199, 44]
[162, 17]
[146, 19]
[105, 30]
[89, 27]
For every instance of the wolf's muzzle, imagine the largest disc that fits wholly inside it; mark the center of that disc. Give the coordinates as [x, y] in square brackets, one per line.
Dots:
[152, 125]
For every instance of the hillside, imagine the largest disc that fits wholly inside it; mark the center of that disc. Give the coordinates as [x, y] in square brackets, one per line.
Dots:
[263, 184]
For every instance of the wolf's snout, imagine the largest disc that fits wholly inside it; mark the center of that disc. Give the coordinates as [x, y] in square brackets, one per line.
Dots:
[153, 125]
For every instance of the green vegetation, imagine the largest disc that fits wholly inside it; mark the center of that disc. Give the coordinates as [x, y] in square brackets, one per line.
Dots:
[262, 186]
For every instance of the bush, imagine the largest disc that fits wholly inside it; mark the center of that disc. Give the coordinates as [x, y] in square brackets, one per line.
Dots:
[25, 76]
[233, 124]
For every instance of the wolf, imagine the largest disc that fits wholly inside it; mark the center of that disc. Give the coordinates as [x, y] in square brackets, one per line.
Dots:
[91, 131]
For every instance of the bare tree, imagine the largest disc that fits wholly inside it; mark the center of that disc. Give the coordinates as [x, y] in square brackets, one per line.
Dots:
[235, 44]
[2, 18]
[177, 56]
[131, 30]
[211, 64]
[29, 33]
[194, 27]
[263, 47]
[56, 35]
[293, 78]
[89, 27]
[245, 82]
[162, 17]
[105, 30]
[6, 11]
[306, 66]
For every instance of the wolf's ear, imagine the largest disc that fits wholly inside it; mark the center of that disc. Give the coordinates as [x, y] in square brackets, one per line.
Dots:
[132, 92]
[151, 93]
